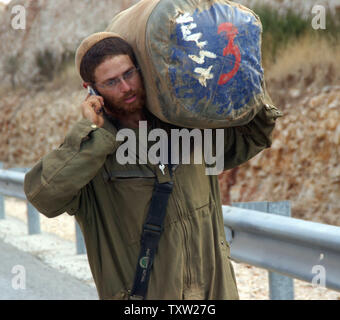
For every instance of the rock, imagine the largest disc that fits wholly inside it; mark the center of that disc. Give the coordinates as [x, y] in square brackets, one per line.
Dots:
[294, 93]
[334, 104]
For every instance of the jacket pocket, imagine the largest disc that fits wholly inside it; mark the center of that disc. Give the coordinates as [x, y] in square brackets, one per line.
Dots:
[131, 198]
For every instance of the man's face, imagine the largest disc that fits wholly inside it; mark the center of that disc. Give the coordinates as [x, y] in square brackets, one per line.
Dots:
[127, 96]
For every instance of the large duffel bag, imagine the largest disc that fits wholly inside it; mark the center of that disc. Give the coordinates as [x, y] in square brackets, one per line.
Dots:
[201, 60]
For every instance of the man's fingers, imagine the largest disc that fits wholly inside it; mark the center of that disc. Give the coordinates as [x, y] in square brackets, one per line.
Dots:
[91, 98]
[99, 111]
[99, 98]
[92, 109]
[96, 103]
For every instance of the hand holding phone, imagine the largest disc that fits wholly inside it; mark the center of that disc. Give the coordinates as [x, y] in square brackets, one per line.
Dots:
[93, 92]
[92, 107]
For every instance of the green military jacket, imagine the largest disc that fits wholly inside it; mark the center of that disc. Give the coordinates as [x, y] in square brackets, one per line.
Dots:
[110, 202]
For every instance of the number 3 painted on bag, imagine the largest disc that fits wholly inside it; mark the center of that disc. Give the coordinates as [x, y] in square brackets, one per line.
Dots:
[230, 49]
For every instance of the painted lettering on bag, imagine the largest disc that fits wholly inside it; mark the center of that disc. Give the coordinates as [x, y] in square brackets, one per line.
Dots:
[216, 60]
[204, 74]
[231, 49]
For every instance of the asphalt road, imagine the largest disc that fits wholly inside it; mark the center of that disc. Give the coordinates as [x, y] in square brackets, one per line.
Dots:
[24, 277]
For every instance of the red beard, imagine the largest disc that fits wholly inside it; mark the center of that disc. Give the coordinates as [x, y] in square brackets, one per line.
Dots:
[122, 108]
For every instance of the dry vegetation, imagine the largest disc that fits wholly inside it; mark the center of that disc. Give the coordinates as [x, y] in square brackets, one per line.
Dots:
[305, 65]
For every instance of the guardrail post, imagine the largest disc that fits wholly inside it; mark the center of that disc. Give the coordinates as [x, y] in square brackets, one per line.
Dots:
[33, 220]
[280, 287]
[80, 243]
[2, 201]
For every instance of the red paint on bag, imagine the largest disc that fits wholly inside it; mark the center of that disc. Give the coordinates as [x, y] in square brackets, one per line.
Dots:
[231, 49]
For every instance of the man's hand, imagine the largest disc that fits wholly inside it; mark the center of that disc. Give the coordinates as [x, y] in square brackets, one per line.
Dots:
[92, 109]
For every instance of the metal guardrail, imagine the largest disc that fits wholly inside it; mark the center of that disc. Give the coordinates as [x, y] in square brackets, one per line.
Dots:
[12, 185]
[283, 245]
[300, 249]
[280, 286]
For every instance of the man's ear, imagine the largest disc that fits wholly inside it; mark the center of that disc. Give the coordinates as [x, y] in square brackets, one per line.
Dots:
[86, 84]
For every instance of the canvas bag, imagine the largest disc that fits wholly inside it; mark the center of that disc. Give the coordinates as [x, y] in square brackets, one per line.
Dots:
[200, 59]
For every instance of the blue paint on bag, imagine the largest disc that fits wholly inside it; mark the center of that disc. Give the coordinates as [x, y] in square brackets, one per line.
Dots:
[242, 85]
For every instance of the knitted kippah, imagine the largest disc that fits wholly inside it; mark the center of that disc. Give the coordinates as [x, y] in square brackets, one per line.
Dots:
[88, 43]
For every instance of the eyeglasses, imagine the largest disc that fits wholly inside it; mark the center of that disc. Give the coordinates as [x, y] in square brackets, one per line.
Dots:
[114, 83]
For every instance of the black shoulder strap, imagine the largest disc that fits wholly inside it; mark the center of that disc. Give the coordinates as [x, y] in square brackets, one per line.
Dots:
[152, 230]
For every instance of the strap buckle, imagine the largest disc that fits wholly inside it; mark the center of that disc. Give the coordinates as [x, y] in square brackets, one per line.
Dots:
[153, 228]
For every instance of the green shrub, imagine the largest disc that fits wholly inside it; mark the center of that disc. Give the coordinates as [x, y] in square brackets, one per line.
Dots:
[12, 65]
[50, 65]
[46, 63]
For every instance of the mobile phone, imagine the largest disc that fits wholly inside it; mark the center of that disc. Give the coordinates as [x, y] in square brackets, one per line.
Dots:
[92, 91]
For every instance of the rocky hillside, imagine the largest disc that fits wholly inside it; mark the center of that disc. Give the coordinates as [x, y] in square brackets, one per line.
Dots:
[35, 122]
[58, 26]
[303, 164]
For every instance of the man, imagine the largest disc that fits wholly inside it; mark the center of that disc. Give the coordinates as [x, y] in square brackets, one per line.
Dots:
[111, 201]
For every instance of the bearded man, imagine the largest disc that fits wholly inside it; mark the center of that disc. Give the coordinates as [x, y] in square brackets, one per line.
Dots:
[111, 201]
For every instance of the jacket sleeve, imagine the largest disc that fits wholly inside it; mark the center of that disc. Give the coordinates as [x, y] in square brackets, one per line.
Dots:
[243, 143]
[53, 185]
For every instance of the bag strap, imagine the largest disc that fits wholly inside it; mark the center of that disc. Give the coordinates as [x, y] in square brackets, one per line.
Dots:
[152, 230]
